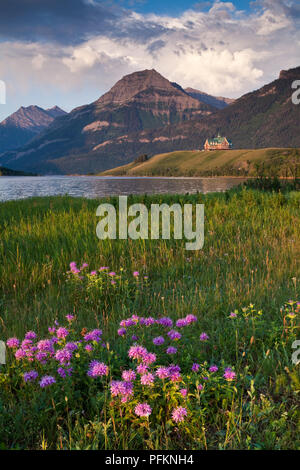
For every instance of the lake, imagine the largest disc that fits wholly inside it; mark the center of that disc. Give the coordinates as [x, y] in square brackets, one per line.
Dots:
[19, 187]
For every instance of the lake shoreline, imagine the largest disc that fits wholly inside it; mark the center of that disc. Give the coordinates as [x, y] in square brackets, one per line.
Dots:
[95, 187]
[75, 175]
[98, 186]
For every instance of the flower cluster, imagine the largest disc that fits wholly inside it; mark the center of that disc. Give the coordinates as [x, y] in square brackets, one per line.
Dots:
[146, 375]
[168, 335]
[94, 335]
[179, 414]
[82, 273]
[143, 410]
[62, 349]
[49, 362]
[122, 389]
[229, 374]
[97, 369]
[55, 354]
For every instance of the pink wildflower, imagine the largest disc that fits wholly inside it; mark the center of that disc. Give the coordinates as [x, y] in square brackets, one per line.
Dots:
[179, 414]
[143, 410]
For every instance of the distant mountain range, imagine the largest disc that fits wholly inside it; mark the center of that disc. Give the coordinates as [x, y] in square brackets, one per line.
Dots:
[21, 126]
[145, 113]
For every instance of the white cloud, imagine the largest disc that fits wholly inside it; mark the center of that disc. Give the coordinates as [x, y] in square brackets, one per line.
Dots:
[270, 22]
[223, 51]
[38, 61]
[227, 55]
[207, 70]
[82, 57]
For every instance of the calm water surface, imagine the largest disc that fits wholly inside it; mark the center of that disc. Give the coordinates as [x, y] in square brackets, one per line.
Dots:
[19, 187]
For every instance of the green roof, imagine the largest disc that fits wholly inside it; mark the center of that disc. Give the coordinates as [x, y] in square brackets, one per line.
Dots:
[218, 140]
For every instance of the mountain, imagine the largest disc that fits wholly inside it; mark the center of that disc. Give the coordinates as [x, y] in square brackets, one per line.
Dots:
[55, 112]
[21, 126]
[137, 103]
[263, 118]
[218, 102]
[146, 114]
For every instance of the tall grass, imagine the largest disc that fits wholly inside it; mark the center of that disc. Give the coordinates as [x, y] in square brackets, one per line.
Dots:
[250, 256]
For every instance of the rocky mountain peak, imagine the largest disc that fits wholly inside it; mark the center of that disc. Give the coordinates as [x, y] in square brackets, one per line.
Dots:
[55, 111]
[292, 74]
[134, 83]
[27, 117]
[21, 126]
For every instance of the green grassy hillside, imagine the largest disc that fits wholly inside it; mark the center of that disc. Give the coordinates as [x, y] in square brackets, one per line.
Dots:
[268, 162]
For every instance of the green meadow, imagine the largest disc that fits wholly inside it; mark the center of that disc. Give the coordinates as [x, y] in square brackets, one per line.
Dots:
[269, 162]
[248, 267]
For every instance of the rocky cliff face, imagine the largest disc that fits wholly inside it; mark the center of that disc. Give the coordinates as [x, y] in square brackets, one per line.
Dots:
[131, 85]
[150, 88]
[149, 100]
[21, 126]
[291, 74]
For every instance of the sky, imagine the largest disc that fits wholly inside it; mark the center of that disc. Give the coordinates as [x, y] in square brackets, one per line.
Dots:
[69, 52]
[175, 7]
